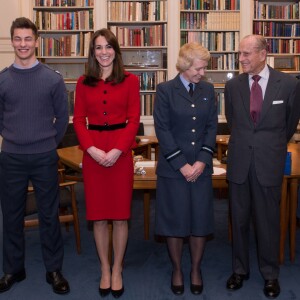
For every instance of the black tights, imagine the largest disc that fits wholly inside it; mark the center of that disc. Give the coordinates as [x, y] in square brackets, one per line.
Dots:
[197, 246]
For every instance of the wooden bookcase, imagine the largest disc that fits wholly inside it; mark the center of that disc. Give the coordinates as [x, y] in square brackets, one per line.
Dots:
[216, 25]
[65, 28]
[279, 23]
[141, 29]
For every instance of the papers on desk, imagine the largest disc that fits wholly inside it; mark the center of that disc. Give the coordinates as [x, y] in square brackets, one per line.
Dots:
[145, 163]
[219, 171]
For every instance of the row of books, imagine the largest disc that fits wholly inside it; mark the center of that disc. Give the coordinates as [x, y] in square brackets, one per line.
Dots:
[62, 3]
[272, 11]
[69, 45]
[210, 20]
[137, 11]
[224, 62]
[284, 63]
[155, 35]
[283, 46]
[76, 20]
[210, 4]
[213, 41]
[147, 104]
[277, 29]
[149, 80]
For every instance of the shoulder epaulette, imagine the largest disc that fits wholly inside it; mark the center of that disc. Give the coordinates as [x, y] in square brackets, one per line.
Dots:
[53, 69]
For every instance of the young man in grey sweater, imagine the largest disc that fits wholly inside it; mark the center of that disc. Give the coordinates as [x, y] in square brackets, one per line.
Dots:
[33, 120]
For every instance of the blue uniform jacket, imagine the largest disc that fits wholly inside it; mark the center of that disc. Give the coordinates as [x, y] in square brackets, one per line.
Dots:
[185, 126]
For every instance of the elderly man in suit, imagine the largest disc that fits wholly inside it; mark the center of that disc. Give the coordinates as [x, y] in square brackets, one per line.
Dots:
[262, 113]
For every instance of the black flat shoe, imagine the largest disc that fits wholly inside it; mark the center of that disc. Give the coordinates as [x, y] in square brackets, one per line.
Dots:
[8, 280]
[272, 288]
[235, 281]
[59, 284]
[104, 292]
[117, 293]
[176, 289]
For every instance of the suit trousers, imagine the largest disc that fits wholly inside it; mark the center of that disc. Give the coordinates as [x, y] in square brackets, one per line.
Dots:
[262, 204]
[16, 170]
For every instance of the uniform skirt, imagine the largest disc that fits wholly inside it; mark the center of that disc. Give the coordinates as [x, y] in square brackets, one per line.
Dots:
[184, 208]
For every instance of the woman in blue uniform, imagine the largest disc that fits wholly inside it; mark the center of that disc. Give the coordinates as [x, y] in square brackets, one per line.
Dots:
[185, 118]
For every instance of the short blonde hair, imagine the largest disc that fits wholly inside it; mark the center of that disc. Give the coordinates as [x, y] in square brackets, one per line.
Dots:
[188, 52]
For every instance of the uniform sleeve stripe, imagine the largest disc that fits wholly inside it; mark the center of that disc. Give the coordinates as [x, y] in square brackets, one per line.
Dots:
[207, 149]
[173, 154]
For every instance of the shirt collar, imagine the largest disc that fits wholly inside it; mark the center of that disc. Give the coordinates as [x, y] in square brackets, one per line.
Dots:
[185, 82]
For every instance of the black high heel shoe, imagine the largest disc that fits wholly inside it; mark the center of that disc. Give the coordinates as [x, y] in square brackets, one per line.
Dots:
[117, 293]
[176, 289]
[196, 289]
[104, 292]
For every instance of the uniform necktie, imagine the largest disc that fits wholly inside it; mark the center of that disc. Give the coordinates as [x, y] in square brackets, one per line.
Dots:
[191, 90]
[256, 99]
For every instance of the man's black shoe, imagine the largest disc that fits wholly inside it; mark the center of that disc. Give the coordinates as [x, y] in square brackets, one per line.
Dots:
[272, 288]
[235, 281]
[59, 284]
[7, 281]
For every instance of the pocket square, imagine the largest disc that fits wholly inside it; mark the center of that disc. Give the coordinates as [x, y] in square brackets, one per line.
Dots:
[277, 101]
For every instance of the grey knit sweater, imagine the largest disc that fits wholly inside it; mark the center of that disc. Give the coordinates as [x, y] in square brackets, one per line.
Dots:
[33, 109]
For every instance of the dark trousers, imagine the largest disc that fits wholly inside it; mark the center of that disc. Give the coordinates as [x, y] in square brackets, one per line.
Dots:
[247, 200]
[16, 170]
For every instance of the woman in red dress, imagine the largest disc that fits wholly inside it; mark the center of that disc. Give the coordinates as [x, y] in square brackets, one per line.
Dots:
[106, 120]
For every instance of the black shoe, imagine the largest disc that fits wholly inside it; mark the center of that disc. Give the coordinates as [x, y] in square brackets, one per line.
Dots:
[235, 281]
[117, 293]
[272, 288]
[176, 289]
[196, 289]
[59, 284]
[8, 280]
[104, 292]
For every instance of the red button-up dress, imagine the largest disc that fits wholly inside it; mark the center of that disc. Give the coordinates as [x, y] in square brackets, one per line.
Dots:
[108, 190]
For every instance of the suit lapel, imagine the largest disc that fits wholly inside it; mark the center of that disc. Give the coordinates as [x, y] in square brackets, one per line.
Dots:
[244, 91]
[181, 89]
[270, 94]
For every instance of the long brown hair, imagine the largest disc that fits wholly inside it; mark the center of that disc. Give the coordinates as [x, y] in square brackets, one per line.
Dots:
[94, 71]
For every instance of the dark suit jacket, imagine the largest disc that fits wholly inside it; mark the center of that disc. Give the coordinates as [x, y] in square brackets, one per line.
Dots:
[184, 123]
[267, 141]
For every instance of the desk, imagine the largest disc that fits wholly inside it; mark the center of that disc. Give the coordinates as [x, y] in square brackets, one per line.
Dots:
[72, 157]
[146, 144]
[222, 145]
[288, 205]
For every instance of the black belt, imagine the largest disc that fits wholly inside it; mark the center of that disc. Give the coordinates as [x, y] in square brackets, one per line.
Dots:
[106, 127]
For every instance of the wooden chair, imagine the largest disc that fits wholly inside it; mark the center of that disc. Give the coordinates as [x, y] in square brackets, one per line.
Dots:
[68, 211]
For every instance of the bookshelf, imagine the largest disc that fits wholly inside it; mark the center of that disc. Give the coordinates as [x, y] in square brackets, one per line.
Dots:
[141, 29]
[279, 23]
[216, 25]
[65, 28]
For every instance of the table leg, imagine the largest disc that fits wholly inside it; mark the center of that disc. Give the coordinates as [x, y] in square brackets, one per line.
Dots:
[146, 214]
[293, 216]
[283, 219]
